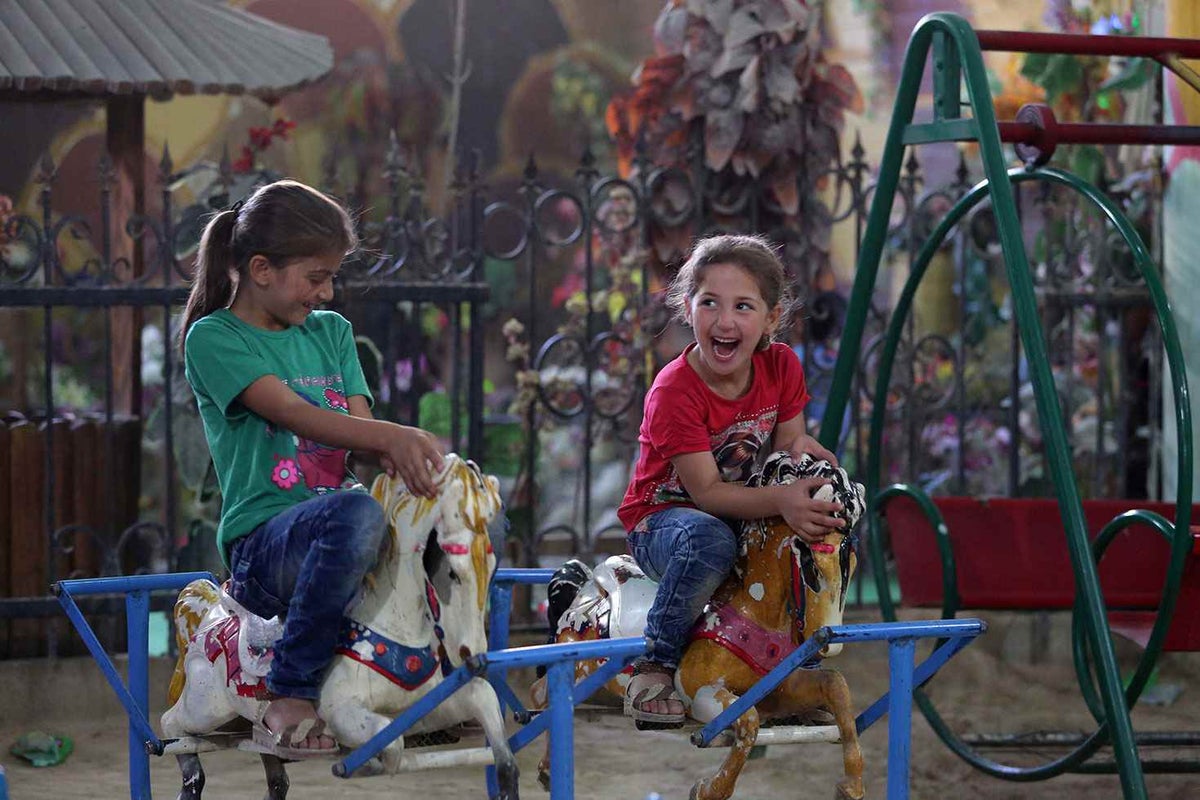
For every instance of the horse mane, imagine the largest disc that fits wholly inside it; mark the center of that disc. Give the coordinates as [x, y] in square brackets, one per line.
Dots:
[782, 468]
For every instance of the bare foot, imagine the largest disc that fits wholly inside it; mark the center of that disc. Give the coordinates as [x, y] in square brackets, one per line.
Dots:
[286, 718]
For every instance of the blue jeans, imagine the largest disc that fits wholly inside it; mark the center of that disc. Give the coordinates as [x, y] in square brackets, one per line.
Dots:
[689, 553]
[306, 564]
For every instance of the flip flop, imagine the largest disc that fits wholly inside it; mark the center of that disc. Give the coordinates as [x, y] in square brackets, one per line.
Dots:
[283, 743]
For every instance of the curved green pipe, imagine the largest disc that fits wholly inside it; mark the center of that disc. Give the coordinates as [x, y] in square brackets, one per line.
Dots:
[1162, 622]
[958, 53]
[1180, 544]
[950, 599]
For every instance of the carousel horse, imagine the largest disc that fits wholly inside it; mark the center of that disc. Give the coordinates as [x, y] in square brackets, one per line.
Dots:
[781, 591]
[420, 614]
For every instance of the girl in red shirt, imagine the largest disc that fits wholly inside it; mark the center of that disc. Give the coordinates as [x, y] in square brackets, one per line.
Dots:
[711, 416]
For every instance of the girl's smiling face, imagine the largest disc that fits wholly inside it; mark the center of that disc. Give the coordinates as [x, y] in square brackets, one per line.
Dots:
[287, 295]
[729, 317]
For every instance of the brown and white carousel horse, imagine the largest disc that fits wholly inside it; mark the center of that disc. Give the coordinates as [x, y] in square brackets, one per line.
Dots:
[421, 614]
[781, 591]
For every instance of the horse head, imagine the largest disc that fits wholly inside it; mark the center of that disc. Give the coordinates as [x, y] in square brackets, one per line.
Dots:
[459, 560]
[823, 569]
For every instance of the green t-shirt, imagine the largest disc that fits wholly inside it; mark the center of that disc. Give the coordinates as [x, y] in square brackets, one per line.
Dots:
[263, 469]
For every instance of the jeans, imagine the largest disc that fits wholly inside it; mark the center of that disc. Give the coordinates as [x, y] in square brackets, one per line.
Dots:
[306, 564]
[689, 553]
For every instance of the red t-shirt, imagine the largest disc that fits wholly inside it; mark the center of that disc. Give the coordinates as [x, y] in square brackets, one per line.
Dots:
[682, 415]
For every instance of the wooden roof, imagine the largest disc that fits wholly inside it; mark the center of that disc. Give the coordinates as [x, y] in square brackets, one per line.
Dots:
[154, 47]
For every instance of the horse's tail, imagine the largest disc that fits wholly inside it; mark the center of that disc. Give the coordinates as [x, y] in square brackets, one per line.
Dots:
[191, 607]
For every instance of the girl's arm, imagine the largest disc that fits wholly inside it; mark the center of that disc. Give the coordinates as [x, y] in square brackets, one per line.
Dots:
[359, 407]
[811, 519]
[411, 451]
[793, 437]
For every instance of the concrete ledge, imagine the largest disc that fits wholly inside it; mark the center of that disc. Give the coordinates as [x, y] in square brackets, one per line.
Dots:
[41, 691]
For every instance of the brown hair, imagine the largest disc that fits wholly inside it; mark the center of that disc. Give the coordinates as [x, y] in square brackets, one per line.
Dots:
[752, 253]
[282, 221]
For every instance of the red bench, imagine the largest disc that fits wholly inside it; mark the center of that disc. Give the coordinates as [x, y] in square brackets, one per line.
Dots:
[1012, 554]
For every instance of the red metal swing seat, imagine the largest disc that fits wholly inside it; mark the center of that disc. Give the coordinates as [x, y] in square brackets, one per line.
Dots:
[1011, 554]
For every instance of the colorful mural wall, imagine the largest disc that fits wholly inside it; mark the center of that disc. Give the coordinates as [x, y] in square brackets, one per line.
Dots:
[1181, 238]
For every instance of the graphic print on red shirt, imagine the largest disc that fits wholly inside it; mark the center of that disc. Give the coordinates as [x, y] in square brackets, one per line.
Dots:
[682, 415]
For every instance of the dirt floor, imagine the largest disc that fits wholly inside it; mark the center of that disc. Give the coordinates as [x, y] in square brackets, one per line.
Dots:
[991, 687]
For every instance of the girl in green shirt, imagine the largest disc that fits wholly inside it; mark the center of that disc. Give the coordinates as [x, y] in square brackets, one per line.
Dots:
[283, 400]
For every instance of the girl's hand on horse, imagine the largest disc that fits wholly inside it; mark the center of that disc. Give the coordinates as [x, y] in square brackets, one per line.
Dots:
[811, 519]
[414, 455]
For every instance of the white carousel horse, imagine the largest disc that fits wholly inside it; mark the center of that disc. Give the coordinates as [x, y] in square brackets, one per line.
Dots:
[781, 591]
[393, 652]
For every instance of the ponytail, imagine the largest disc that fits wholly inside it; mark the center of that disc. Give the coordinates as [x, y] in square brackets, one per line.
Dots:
[281, 221]
[212, 286]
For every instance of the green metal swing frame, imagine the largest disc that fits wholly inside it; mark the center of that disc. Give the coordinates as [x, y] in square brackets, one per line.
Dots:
[957, 62]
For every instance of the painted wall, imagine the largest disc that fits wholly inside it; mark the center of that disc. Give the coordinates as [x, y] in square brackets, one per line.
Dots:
[1181, 240]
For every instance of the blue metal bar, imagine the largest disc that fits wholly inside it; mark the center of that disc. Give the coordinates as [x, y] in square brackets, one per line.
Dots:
[137, 624]
[527, 576]
[372, 747]
[583, 690]
[169, 581]
[900, 661]
[921, 676]
[509, 698]
[869, 632]
[499, 616]
[887, 631]
[136, 697]
[764, 686]
[132, 710]
[517, 657]
[560, 680]
[499, 613]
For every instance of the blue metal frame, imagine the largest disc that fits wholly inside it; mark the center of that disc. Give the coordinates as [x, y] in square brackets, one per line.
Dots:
[559, 659]
[136, 697]
[499, 614]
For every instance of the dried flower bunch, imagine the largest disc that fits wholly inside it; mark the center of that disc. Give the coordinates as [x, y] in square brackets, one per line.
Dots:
[753, 72]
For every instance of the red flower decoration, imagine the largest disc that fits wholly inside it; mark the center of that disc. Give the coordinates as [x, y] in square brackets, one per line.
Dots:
[260, 139]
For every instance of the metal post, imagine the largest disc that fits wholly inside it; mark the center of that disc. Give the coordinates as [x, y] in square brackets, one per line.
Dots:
[901, 654]
[137, 623]
[499, 612]
[560, 679]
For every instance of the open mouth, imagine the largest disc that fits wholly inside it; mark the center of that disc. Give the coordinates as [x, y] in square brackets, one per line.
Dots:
[724, 348]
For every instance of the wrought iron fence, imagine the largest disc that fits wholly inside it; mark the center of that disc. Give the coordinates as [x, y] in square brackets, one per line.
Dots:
[961, 416]
[546, 289]
[104, 469]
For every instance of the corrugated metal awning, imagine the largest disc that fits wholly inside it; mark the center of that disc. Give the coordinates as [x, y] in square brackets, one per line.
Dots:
[154, 47]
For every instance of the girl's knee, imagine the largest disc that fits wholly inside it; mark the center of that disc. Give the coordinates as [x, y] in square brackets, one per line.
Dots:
[716, 544]
[366, 521]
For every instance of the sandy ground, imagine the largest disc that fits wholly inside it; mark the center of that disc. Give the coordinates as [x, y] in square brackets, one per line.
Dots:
[991, 687]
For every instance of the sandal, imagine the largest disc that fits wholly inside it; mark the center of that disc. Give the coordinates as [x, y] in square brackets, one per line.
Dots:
[283, 743]
[652, 681]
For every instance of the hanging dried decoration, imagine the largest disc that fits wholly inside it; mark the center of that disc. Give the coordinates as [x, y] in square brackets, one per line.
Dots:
[752, 74]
